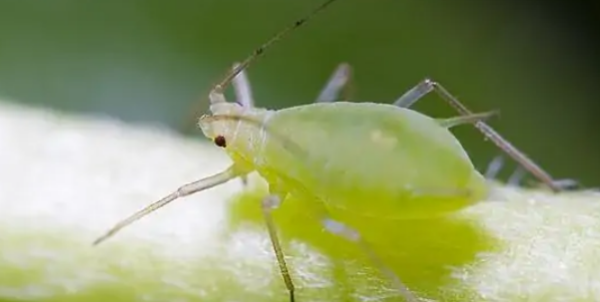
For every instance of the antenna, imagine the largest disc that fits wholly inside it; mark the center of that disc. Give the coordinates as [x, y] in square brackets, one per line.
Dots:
[260, 50]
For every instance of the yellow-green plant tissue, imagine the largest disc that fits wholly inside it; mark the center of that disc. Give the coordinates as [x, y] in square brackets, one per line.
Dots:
[65, 179]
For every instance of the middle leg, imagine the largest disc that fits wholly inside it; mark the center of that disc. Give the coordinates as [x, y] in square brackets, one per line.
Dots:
[268, 204]
[340, 81]
[342, 230]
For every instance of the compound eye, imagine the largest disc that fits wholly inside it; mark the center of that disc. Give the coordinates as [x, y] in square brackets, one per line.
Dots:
[220, 141]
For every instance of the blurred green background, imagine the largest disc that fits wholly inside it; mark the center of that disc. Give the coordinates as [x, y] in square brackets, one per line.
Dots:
[152, 61]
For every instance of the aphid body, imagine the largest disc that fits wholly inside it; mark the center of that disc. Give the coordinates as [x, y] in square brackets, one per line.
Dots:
[386, 160]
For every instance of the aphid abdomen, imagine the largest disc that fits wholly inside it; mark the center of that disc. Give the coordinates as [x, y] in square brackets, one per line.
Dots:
[375, 159]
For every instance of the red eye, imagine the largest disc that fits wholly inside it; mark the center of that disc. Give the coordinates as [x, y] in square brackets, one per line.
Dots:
[220, 141]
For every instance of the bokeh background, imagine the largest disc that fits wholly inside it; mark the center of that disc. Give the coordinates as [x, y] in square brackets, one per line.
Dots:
[151, 61]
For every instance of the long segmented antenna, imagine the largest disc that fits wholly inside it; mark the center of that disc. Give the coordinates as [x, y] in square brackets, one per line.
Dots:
[190, 122]
[185, 190]
[259, 51]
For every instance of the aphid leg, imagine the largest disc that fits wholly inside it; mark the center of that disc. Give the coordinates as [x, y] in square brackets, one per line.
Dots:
[466, 119]
[243, 91]
[494, 167]
[428, 85]
[243, 96]
[567, 184]
[413, 95]
[185, 190]
[348, 233]
[516, 177]
[268, 204]
[338, 82]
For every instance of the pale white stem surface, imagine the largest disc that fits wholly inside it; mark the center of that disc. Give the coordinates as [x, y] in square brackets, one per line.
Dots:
[65, 179]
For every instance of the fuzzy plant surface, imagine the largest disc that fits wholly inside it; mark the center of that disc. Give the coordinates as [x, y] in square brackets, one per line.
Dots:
[66, 179]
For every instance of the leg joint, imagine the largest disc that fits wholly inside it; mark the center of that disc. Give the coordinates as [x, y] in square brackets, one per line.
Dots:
[341, 229]
[271, 202]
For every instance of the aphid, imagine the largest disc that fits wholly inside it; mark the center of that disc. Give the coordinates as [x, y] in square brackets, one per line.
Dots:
[342, 154]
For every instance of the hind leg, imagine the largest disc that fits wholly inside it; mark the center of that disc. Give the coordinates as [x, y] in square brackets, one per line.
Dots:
[243, 96]
[516, 178]
[426, 86]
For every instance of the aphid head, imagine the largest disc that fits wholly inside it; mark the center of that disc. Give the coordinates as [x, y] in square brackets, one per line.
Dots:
[244, 134]
[212, 128]
[226, 108]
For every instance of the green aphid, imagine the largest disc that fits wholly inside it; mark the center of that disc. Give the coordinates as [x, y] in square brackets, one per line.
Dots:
[379, 160]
